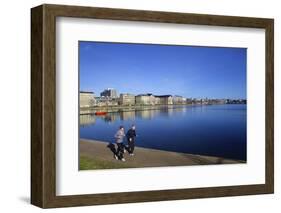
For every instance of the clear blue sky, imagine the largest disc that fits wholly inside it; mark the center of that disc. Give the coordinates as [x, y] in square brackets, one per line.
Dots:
[193, 72]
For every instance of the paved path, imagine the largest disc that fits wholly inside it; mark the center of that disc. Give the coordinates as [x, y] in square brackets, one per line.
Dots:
[147, 157]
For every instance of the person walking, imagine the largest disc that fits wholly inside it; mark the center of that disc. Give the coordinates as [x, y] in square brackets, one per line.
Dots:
[131, 135]
[119, 137]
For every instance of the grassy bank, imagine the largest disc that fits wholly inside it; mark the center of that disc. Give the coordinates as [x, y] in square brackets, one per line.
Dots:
[97, 155]
[86, 163]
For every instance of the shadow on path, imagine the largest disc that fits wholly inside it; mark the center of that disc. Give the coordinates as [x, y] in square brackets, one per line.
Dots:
[112, 148]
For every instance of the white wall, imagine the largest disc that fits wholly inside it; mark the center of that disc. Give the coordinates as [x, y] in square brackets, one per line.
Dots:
[15, 109]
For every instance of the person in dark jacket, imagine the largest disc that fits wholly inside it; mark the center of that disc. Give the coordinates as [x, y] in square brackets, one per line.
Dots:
[131, 136]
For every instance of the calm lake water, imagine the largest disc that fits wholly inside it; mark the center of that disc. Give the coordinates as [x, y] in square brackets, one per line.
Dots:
[215, 130]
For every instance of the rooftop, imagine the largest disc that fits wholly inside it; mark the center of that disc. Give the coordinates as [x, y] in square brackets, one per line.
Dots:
[146, 94]
[163, 96]
[87, 92]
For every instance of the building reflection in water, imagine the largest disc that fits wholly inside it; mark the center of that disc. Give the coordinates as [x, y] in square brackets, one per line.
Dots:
[110, 117]
[88, 119]
[166, 111]
[128, 115]
[146, 114]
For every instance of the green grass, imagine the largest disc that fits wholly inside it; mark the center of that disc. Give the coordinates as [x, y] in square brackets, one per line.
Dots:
[89, 163]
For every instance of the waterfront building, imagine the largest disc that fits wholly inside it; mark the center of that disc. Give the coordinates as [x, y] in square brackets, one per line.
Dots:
[127, 99]
[106, 101]
[156, 100]
[109, 92]
[216, 101]
[179, 99]
[165, 99]
[197, 101]
[188, 100]
[145, 99]
[87, 99]
[236, 101]
[205, 101]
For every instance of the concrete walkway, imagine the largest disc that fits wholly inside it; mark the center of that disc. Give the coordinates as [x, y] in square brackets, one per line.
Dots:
[147, 157]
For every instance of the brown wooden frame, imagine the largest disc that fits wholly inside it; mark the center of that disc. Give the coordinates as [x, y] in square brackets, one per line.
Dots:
[43, 105]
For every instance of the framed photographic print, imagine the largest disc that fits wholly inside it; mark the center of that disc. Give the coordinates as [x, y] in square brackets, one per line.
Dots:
[136, 106]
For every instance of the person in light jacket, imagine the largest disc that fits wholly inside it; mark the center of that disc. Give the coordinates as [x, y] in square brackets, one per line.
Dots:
[119, 137]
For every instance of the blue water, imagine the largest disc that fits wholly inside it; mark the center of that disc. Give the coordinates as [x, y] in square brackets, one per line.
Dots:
[215, 130]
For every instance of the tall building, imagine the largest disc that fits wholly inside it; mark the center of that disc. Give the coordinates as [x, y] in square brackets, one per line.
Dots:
[109, 92]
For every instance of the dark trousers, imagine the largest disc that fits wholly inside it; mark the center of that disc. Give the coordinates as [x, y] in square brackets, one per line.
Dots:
[131, 146]
[120, 150]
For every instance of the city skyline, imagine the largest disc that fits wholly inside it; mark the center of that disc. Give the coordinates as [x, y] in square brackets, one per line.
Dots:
[188, 71]
[98, 94]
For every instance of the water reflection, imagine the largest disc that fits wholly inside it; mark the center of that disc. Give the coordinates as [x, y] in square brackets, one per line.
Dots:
[217, 130]
[128, 115]
[86, 120]
[132, 114]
